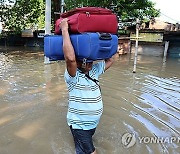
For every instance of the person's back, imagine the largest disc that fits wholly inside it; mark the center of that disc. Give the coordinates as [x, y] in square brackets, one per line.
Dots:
[85, 101]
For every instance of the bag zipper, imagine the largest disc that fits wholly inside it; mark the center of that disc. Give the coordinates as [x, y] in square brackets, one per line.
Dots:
[87, 14]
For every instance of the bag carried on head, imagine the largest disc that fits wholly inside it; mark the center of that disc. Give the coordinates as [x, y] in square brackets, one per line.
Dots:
[89, 19]
[89, 46]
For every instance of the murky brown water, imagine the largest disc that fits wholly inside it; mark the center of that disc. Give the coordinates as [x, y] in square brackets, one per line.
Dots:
[33, 105]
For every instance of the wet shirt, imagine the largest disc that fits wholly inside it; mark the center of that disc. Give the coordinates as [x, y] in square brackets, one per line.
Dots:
[85, 102]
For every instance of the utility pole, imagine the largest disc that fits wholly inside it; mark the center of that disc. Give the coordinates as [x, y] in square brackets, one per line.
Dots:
[165, 51]
[48, 17]
[47, 24]
[136, 47]
[62, 6]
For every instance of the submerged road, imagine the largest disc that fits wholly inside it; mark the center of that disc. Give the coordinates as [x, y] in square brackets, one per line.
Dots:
[33, 106]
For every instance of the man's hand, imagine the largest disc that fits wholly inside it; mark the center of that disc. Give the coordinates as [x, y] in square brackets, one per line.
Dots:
[64, 25]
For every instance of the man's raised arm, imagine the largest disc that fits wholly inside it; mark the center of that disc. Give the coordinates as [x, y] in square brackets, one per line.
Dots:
[108, 63]
[68, 49]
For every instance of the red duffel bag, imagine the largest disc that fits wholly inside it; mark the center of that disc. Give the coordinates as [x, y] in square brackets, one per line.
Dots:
[89, 19]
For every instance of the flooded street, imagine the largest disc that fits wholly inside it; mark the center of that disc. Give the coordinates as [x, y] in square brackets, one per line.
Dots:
[33, 106]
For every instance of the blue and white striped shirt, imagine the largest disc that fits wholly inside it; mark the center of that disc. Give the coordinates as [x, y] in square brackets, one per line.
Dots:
[85, 102]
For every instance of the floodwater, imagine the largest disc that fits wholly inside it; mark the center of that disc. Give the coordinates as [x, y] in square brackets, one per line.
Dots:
[33, 106]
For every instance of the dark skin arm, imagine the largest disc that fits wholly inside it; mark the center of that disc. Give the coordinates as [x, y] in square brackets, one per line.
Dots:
[108, 63]
[68, 49]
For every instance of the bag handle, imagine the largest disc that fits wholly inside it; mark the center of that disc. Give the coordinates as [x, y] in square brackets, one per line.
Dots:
[105, 36]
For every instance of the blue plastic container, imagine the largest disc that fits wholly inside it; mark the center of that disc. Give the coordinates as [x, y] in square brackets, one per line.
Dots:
[91, 46]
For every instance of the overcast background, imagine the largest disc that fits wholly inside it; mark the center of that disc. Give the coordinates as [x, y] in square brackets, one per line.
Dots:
[169, 10]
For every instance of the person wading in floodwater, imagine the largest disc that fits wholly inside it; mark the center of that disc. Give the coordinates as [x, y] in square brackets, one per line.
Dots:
[85, 102]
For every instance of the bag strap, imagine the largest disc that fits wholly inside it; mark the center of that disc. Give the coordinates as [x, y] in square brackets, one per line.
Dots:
[94, 80]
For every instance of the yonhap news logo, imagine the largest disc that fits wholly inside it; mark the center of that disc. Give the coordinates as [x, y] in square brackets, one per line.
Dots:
[129, 140]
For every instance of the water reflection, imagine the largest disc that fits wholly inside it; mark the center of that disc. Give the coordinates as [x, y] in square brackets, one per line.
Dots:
[33, 105]
[5, 63]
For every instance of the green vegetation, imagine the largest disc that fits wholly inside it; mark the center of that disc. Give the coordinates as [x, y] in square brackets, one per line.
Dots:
[22, 14]
[31, 13]
[125, 9]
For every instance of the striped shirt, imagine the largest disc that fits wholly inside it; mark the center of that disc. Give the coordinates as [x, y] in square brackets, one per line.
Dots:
[85, 102]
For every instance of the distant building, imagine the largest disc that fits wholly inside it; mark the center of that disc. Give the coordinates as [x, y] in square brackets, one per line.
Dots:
[153, 36]
[156, 24]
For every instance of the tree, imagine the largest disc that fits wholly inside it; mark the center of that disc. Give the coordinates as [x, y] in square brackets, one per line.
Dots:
[41, 18]
[23, 14]
[125, 9]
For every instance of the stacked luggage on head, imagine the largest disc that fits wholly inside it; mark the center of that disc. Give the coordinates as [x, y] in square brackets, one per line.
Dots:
[92, 33]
